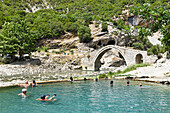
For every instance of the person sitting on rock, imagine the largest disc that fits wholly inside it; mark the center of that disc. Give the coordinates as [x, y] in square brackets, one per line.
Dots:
[26, 85]
[24, 91]
[44, 98]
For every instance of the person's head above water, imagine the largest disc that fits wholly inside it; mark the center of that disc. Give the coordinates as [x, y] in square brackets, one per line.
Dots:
[26, 82]
[34, 81]
[71, 78]
[128, 82]
[43, 96]
[140, 85]
[111, 82]
[24, 90]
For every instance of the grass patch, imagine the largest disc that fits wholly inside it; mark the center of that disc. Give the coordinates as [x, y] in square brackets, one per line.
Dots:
[115, 74]
[128, 69]
[123, 75]
[133, 67]
[103, 76]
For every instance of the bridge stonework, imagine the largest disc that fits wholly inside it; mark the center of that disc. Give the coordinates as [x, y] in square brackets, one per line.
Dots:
[131, 57]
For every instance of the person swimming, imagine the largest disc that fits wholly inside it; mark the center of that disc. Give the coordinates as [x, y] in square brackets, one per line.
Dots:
[85, 79]
[26, 85]
[44, 98]
[24, 91]
[71, 79]
[34, 83]
[128, 83]
[140, 85]
[111, 82]
[96, 79]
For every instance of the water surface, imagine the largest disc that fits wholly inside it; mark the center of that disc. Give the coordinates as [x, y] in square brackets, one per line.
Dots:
[89, 97]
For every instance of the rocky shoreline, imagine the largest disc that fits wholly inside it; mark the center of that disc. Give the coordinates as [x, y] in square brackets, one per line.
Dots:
[14, 74]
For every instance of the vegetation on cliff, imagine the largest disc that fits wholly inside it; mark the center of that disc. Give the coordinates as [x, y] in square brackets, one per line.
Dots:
[59, 16]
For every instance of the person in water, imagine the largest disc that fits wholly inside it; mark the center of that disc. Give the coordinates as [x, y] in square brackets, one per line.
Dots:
[71, 79]
[24, 93]
[128, 83]
[85, 79]
[44, 98]
[111, 83]
[34, 83]
[26, 85]
[140, 85]
[96, 79]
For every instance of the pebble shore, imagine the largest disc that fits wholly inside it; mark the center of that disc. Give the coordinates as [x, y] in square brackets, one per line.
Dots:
[12, 75]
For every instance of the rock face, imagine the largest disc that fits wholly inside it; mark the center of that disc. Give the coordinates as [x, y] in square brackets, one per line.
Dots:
[154, 39]
[112, 58]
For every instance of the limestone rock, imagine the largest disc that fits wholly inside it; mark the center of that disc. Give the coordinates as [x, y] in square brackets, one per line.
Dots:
[66, 67]
[77, 67]
[35, 62]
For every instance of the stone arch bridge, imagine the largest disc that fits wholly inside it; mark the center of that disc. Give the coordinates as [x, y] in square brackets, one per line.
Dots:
[131, 57]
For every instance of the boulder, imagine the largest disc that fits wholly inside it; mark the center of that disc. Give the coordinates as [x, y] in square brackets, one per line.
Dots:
[35, 62]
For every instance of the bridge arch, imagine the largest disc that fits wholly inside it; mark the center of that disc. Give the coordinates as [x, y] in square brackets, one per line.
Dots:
[139, 58]
[102, 51]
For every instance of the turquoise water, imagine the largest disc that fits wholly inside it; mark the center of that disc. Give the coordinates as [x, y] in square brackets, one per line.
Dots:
[89, 97]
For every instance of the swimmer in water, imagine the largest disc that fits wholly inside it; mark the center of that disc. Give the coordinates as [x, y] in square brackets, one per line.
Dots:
[85, 79]
[26, 85]
[140, 85]
[128, 83]
[111, 83]
[71, 79]
[96, 79]
[24, 91]
[34, 83]
[44, 98]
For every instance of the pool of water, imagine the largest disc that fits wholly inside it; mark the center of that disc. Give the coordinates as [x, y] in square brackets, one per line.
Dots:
[88, 97]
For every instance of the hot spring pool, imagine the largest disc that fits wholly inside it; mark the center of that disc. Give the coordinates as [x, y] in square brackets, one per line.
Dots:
[89, 97]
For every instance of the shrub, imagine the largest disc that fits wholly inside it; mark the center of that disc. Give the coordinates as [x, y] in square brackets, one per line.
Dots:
[84, 34]
[47, 54]
[120, 24]
[102, 76]
[138, 45]
[104, 27]
[156, 49]
[168, 55]
[72, 52]
[45, 49]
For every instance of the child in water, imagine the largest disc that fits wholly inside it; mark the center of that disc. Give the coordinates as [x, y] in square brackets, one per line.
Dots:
[24, 91]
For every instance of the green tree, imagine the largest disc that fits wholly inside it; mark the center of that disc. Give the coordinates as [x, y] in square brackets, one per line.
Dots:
[157, 18]
[16, 38]
[84, 34]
